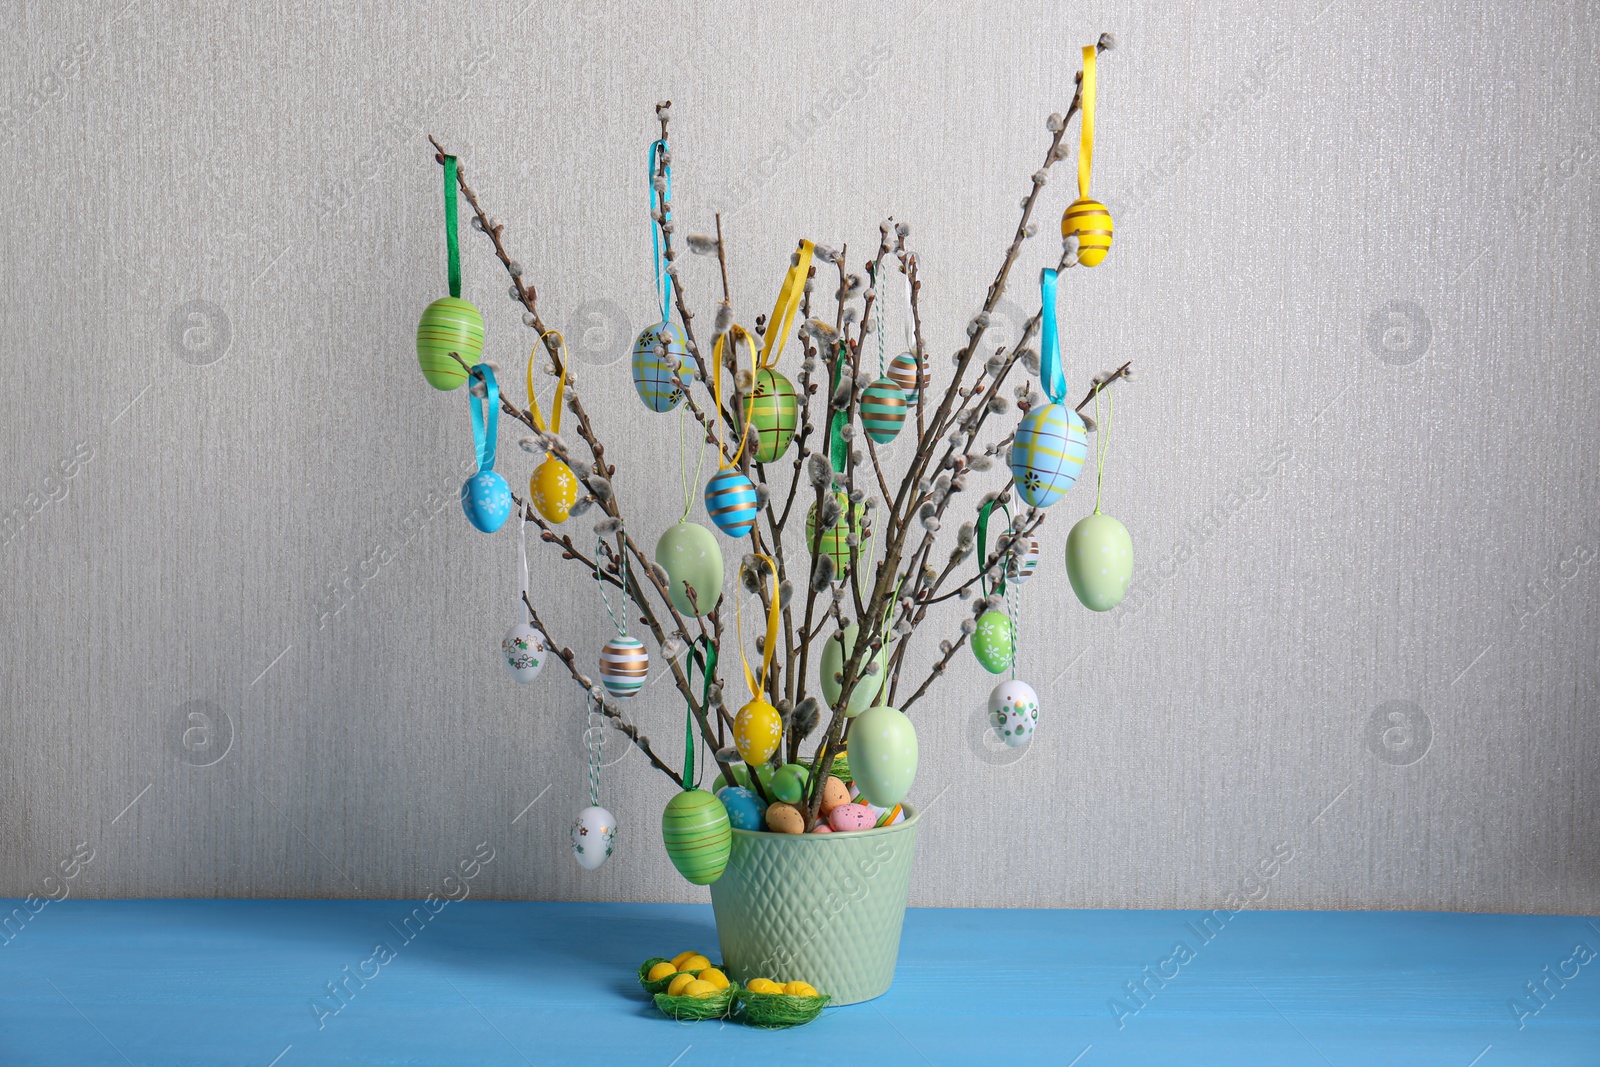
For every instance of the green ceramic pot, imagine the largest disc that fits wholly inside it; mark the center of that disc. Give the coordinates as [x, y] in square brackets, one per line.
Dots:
[818, 908]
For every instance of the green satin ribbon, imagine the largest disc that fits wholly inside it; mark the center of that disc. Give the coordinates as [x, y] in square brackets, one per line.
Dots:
[838, 451]
[452, 241]
[983, 548]
[704, 654]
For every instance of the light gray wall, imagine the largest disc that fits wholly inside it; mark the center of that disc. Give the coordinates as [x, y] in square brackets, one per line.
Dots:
[1354, 261]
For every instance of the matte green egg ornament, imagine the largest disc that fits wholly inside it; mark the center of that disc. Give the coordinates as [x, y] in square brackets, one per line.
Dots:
[697, 834]
[789, 783]
[1099, 561]
[994, 642]
[450, 324]
[690, 555]
[883, 755]
[868, 687]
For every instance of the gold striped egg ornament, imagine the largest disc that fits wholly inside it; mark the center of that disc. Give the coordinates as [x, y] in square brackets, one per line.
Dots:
[1047, 453]
[1025, 560]
[835, 541]
[774, 410]
[731, 502]
[883, 410]
[697, 834]
[756, 731]
[553, 490]
[624, 665]
[652, 373]
[1090, 222]
[912, 377]
[449, 324]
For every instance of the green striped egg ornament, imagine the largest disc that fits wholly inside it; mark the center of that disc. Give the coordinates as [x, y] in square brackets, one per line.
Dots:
[911, 376]
[834, 541]
[883, 410]
[774, 410]
[993, 642]
[652, 373]
[450, 324]
[698, 836]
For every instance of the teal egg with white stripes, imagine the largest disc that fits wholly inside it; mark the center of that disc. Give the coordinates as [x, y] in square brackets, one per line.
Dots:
[624, 665]
[883, 410]
[652, 373]
[731, 502]
[1047, 453]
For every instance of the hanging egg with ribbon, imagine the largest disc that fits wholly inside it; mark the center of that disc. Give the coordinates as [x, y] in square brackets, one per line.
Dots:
[660, 351]
[908, 370]
[1086, 218]
[883, 410]
[993, 641]
[1014, 712]
[758, 728]
[594, 830]
[730, 496]
[690, 555]
[553, 489]
[774, 410]
[1049, 447]
[697, 835]
[1024, 560]
[1099, 549]
[485, 497]
[835, 540]
[868, 688]
[624, 665]
[883, 755]
[449, 324]
[523, 648]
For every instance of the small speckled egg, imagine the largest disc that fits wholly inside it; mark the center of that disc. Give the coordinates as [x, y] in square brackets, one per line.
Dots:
[848, 817]
[821, 828]
[785, 819]
[1014, 712]
[834, 793]
[744, 807]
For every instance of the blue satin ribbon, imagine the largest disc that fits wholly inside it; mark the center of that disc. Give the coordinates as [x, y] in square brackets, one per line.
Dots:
[483, 436]
[1050, 375]
[657, 201]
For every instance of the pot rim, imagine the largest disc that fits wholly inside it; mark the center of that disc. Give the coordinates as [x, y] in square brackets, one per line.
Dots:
[852, 835]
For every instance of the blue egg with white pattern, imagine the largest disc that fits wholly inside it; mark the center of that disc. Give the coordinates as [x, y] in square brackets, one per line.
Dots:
[1047, 454]
[486, 499]
[745, 809]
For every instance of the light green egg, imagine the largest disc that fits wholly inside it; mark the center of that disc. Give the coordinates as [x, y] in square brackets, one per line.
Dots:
[867, 690]
[741, 776]
[883, 755]
[697, 834]
[994, 642]
[690, 555]
[1100, 561]
[789, 783]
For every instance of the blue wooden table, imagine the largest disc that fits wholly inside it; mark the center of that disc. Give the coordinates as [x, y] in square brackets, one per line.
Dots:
[287, 983]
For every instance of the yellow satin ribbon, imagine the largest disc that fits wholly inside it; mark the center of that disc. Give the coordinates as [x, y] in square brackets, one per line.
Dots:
[561, 386]
[738, 333]
[783, 312]
[1086, 127]
[769, 645]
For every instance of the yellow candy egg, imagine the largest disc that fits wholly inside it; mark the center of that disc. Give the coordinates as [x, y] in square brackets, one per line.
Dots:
[696, 962]
[677, 961]
[756, 730]
[553, 490]
[699, 989]
[1090, 220]
[799, 989]
[763, 985]
[714, 976]
[676, 987]
[660, 971]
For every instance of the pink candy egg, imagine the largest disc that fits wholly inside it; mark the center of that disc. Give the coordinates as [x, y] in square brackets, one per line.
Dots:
[822, 828]
[851, 817]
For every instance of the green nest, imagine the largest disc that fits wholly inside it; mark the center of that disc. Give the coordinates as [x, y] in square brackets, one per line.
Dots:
[841, 769]
[775, 1011]
[660, 984]
[694, 1009]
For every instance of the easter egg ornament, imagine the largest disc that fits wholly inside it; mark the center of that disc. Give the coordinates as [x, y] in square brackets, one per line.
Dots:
[1099, 548]
[758, 728]
[992, 642]
[660, 352]
[994, 635]
[773, 408]
[1086, 218]
[745, 810]
[690, 555]
[1014, 712]
[696, 826]
[831, 664]
[1024, 560]
[594, 829]
[523, 648]
[731, 502]
[449, 324]
[883, 410]
[624, 661]
[1051, 442]
[553, 489]
[834, 541]
[485, 497]
[909, 370]
[883, 755]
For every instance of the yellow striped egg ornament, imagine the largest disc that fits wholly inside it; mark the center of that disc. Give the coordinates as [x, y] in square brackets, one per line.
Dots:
[912, 377]
[774, 410]
[652, 370]
[1047, 453]
[731, 502]
[756, 731]
[449, 324]
[1090, 222]
[624, 665]
[697, 834]
[883, 410]
[553, 489]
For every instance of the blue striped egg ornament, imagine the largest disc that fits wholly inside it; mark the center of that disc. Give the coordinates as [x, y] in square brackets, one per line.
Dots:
[1047, 453]
[883, 410]
[652, 373]
[1024, 560]
[486, 499]
[731, 502]
[624, 664]
[912, 378]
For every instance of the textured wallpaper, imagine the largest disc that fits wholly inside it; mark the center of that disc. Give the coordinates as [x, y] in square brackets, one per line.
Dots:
[251, 641]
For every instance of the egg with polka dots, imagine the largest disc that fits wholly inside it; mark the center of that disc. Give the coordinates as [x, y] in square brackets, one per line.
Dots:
[1014, 712]
[1100, 561]
[883, 754]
